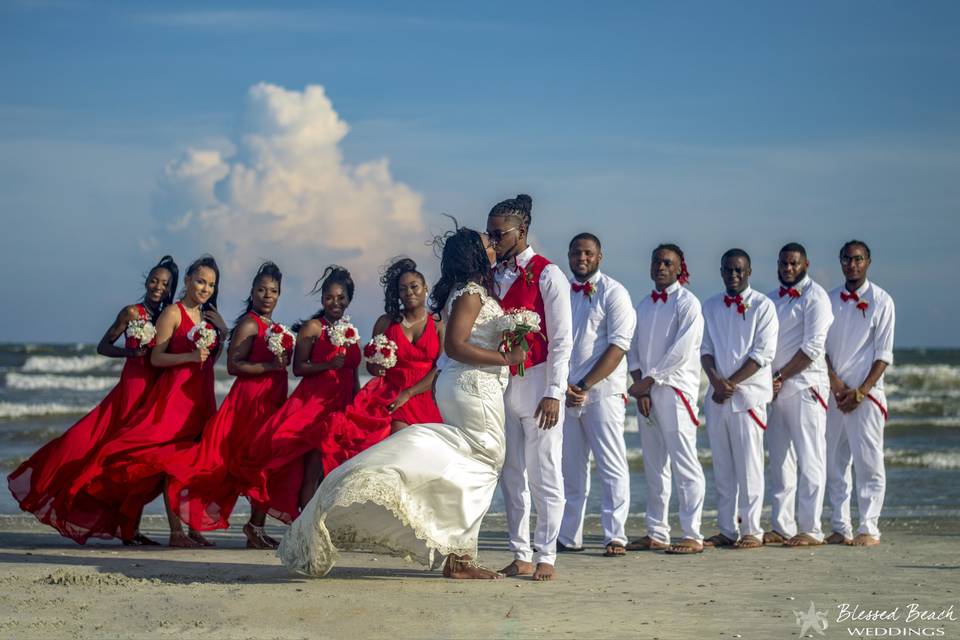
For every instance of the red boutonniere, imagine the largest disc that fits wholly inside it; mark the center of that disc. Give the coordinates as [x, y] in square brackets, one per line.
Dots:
[862, 305]
[742, 309]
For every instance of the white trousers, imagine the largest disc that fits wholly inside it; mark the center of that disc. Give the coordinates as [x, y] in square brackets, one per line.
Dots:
[736, 444]
[532, 468]
[670, 451]
[796, 440]
[598, 428]
[856, 437]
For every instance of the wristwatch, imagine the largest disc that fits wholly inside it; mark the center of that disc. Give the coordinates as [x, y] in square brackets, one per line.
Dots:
[858, 395]
[582, 383]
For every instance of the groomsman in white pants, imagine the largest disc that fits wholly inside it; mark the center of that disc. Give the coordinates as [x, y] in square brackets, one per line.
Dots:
[859, 349]
[534, 401]
[796, 429]
[739, 342]
[603, 323]
[664, 361]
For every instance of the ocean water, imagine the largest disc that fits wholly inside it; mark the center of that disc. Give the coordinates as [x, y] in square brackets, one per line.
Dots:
[45, 388]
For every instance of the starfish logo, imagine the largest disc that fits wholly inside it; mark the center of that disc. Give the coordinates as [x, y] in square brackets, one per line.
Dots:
[811, 620]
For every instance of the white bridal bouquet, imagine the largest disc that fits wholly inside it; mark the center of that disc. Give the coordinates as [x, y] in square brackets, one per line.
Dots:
[516, 325]
[143, 331]
[342, 334]
[280, 340]
[381, 351]
[203, 335]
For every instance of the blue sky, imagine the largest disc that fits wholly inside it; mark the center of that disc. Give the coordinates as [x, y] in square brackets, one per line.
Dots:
[706, 124]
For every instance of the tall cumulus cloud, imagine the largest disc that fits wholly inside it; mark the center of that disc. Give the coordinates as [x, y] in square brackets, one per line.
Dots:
[281, 190]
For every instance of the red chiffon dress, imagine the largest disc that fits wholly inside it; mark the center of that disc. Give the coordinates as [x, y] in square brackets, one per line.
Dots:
[300, 427]
[41, 485]
[206, 479]
[129, 471]
[367, 420]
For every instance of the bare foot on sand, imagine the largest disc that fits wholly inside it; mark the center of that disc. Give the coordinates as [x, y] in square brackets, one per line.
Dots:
[183, 541]
[544, 572]
[463, 568]
[865, 540]
[197, 537]
[517, 568]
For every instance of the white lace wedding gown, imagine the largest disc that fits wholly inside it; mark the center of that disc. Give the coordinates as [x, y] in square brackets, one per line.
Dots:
[423, 491]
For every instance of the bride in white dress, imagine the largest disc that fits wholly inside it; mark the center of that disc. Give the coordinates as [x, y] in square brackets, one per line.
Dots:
[423, 491]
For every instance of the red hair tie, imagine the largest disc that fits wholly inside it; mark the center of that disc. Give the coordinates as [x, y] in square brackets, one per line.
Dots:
[684, 277]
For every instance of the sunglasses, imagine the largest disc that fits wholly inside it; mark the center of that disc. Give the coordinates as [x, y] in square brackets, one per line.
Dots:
[497, 236]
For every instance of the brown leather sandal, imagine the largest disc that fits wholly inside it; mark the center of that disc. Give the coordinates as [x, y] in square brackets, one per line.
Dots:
[646, 543]
[685, 547]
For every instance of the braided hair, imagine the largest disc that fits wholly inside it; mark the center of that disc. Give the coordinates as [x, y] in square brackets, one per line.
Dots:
[267, 270]
[334, 274]
[390, 281]
[463, 259]
[684, 276]
[520, 207]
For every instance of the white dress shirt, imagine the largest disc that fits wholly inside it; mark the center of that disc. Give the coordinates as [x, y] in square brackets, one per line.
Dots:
[732, 339]
[605, 318]
[555, 290]
[858, 337]
[666, 344]
[804, 323]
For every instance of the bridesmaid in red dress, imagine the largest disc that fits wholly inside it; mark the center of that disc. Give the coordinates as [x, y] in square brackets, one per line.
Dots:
[41, 484]
[419, 338]
[288, 444]
[128, 471]
[399, 396]
[206, 479]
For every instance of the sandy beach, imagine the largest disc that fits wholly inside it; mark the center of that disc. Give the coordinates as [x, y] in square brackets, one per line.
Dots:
[52, 588]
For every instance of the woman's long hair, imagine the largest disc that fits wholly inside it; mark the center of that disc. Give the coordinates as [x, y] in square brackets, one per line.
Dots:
[463, 259]
[209, 262]
[267, 270]
[390, 281]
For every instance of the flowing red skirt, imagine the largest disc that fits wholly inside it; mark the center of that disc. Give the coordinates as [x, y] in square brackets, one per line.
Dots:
[206, 479]
[128, 472]
[42, 484]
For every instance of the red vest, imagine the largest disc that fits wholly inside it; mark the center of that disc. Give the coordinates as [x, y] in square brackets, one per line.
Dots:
[524, 293]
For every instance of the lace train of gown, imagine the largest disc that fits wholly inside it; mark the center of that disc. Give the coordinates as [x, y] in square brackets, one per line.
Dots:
[422, 492]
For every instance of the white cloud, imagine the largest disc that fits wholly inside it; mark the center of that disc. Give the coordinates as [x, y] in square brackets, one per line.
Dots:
[282, 190]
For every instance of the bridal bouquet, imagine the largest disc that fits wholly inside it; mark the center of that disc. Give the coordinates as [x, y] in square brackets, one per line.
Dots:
[381, 351]
[203, 335]
[280, 340]
[517, 324]
[342, 334]
[143, 331]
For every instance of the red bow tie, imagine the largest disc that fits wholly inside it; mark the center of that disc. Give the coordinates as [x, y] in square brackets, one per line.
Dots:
[727, 300]
[789, 291]
[847, 297]
[661, 296]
